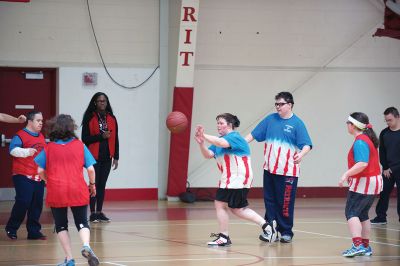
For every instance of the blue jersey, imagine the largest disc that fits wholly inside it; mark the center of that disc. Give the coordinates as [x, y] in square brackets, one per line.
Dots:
[234, 162]
[283, 138]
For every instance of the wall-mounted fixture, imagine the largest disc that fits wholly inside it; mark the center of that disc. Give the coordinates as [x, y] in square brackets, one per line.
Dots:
[33, 75]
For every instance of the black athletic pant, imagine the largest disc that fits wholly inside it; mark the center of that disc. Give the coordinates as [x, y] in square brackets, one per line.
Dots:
[102, 169]
[60, 216]
[383, 203]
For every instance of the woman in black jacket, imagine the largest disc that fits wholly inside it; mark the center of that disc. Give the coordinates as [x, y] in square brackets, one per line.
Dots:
[100, 134]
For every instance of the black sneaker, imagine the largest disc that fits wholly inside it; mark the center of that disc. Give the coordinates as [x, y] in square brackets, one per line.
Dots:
[93, 218]
[102, 218]
[11, 235]
[378, 221]
[220, 241]
[37, 236]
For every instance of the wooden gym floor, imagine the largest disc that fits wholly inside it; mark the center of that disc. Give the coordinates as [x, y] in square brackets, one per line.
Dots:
[173, 233]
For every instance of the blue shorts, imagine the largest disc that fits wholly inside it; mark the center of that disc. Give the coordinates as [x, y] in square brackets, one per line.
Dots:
[358, 205]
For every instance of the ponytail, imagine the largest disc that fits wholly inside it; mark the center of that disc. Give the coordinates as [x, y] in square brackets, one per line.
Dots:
[372, 136]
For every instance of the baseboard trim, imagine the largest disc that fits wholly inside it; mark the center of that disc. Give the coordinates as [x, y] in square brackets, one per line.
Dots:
[127, 194]
[302, 192]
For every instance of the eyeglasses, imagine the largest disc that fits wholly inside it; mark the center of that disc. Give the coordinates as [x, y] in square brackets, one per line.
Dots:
[280, 104]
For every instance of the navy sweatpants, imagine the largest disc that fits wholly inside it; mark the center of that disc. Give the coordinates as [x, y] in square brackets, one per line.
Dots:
[28, 201]
[279, 198]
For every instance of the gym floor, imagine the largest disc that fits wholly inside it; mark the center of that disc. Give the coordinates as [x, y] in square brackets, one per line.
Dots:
[174, 233]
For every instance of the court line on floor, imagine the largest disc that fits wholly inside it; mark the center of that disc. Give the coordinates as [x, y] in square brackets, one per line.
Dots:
[343, 237]
[250, 256]
[118, 262]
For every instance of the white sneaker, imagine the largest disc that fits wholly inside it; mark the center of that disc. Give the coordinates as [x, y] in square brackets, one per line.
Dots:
[269, 232]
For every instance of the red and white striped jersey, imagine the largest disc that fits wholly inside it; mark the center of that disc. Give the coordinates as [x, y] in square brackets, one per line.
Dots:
[236, 171]
[279, 159]
[234, 162]
[371, 185]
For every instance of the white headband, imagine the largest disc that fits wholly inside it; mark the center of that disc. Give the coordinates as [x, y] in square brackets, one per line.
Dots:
[358, 124]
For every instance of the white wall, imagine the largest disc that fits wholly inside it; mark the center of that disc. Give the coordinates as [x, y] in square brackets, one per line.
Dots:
[137, 113]
[322, 51]
[58, 32]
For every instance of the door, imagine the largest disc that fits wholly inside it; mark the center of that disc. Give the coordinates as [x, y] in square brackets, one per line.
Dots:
[22, 90]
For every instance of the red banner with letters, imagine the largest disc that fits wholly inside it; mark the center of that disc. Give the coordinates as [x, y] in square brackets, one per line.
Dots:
[179, 147]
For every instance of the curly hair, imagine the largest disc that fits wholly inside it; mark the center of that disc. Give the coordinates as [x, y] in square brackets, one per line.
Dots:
[61, 127]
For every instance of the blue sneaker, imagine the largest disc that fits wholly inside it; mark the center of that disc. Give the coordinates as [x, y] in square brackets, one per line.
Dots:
[66, 262]
[354, 251]
[88, 253]
[367, 251]
[286, 239]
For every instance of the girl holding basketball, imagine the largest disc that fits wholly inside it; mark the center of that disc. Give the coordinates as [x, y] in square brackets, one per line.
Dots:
[232, 153]
[365, 182]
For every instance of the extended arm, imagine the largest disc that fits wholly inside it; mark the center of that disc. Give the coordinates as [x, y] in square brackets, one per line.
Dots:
[220, 142]
[11, 119]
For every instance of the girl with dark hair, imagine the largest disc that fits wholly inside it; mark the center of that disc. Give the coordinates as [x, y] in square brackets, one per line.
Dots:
[100, 134]
[232, 153]
[365, 182]
[60, 166]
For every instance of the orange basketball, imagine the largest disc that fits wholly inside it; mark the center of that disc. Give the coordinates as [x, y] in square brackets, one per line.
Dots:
[176, 122]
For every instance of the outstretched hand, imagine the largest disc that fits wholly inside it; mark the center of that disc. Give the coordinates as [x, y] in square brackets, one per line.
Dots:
[199, 134]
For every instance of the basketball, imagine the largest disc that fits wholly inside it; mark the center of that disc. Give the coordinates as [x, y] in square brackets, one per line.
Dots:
[176, 122]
